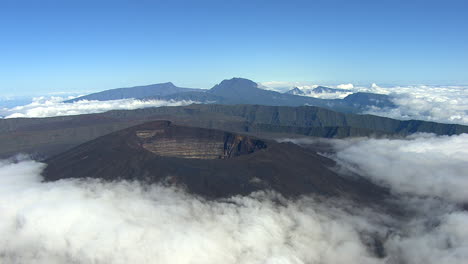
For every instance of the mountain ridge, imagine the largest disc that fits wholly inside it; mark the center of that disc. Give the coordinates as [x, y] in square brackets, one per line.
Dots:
[137, 92]
[243, 91]
[49, 136]
[237, 91]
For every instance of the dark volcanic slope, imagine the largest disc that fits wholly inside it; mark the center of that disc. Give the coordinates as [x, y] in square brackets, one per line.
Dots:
[208, 162]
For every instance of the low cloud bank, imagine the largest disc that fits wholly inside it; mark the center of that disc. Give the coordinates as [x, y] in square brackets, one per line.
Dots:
[90, 221]
[54, 106]
[308, 88]
[446, 104]
[428, 175]
[422, 164]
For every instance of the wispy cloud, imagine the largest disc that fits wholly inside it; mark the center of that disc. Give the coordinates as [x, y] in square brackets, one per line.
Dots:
[54, 106]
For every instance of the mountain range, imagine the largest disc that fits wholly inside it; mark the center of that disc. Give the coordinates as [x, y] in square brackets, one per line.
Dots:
[243, 91]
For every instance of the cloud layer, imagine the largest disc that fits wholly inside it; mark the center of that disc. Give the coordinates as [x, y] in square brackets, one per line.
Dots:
[90, 221]
[428, 176]
[445, 104]
[307, 88]
[422, 164]
[93, 222]
[54, 106]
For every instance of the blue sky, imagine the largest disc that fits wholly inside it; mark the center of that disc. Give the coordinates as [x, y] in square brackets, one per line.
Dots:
[52, 46]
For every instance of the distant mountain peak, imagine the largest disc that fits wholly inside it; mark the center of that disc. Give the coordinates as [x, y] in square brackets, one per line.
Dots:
[167, 83]
[239, 82]
[295, 91]
[235, 85]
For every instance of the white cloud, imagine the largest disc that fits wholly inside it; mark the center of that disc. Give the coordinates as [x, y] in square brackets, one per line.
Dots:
[307, 88]
[423, 164]
[309, 91]
[278, 86]
[432, 240]
[428, 175]
[337, 95]
[345, 86]
[446, 104]
[90, 221]
[54, 106]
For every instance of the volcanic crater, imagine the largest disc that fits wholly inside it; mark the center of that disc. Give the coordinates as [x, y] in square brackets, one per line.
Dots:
[192, 143]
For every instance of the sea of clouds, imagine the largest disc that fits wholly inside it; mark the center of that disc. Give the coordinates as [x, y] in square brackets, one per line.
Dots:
[90, 221]
[48, 106]
[445, 104]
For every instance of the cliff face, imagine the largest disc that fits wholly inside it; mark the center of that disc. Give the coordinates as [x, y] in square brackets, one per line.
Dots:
[208, 162]
[167, 140]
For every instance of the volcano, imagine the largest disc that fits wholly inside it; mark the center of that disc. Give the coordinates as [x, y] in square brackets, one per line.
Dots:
[211, 163]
